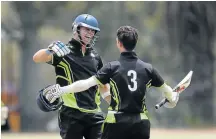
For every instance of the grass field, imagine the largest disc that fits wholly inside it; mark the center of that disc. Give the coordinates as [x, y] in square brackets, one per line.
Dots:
[155, 134]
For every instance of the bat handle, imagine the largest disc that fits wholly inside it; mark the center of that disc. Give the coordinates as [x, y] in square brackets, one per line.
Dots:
[161, 103]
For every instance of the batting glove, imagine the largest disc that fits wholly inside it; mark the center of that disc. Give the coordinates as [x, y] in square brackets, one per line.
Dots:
[52, 92]
[173, 101]
[59, 48]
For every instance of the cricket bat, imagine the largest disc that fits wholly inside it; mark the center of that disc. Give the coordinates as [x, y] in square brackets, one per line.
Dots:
[180, 87]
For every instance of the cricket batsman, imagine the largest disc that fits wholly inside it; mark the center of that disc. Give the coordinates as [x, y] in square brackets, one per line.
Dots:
[79, 114]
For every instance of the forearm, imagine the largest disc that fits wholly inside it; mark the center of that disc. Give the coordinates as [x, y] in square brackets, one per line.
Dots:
[79, 86]
[105, 93]
[167, 91]
[42, 55]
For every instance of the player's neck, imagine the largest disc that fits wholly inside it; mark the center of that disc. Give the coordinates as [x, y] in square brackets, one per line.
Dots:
[122, 50]
[83, 47]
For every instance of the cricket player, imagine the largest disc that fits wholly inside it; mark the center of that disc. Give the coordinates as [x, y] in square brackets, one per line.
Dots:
[4, 113]
[80, 115]
[129, 77]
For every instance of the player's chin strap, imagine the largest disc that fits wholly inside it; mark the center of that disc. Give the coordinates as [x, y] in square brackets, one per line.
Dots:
[78, 32]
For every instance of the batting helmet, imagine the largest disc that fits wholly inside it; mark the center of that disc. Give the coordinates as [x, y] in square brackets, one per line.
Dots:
[88, 21]
[45, 105]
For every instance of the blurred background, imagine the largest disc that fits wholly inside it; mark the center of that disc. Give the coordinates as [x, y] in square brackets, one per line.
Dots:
[175, 37]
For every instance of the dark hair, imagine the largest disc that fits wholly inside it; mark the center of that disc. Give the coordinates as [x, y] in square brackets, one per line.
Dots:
[128, 36]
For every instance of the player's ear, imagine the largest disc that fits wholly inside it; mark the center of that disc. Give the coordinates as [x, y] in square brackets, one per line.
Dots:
[119, 44]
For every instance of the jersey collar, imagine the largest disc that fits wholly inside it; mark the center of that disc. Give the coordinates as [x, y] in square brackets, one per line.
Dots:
[128, 55]
[75, 46]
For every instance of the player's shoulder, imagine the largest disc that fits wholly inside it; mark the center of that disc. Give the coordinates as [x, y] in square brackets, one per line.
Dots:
[145, 65]
[71, 47]
[93, 52]
[114, 63]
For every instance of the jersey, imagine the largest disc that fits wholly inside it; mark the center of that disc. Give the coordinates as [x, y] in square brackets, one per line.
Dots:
[129, 77]
[77, 66]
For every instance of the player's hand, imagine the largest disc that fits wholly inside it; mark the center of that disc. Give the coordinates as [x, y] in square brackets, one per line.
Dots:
[105, 93]
[4, 114]
[59, 48]
[174, 100]
[52, 92]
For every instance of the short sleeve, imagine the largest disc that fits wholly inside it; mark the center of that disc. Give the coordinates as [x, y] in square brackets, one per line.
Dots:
[104, 74]
[100, 63]
[157, 80]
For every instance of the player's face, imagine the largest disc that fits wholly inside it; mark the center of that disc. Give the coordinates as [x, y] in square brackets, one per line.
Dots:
[86, 34]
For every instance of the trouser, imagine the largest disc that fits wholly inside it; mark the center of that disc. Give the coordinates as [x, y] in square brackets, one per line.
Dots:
[126, 126]
[75, 124]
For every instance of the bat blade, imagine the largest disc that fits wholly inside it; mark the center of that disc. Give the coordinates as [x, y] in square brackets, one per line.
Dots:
[180, 87]
[184, 83]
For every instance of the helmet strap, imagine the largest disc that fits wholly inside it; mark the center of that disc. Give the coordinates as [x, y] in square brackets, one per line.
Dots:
[81, 41]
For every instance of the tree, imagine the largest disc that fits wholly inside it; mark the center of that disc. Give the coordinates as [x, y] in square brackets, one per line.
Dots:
[31, 20]
[191, 27]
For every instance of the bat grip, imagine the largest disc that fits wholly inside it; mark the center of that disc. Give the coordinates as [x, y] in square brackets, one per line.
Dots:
[161, 103]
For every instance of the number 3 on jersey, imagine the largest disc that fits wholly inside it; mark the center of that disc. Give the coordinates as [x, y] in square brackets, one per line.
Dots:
[133, 75]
